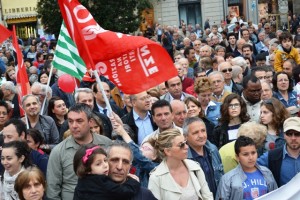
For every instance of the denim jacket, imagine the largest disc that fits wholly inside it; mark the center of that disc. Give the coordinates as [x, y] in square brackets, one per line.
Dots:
[142, 164]
[292, 101]
[231, 184]
[213, 112]
[215, 159]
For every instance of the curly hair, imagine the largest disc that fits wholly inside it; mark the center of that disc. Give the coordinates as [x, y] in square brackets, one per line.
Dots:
[196, 102]
[280, 114]
[202, 85]
[225, 117]
[275, 78]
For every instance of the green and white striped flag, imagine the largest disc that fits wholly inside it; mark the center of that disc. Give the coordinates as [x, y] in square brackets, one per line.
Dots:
[66, 56]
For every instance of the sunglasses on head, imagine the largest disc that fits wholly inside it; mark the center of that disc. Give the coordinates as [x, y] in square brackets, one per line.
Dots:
[227, 70]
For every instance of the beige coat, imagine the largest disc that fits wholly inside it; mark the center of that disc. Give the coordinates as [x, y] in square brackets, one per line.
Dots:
[163, 187]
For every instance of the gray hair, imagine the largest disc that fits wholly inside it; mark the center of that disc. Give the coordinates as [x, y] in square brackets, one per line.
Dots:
[253, 130]
[79, 90]
[216, 73]
[240, 61]
[24, 98]
[187, 122]
[9, 85]
[44, 89]
[122, 144]
[236, 70]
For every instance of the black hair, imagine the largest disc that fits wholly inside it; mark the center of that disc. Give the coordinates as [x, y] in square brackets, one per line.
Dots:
[242, 141]
[261, 57]
[19, 125]
[258, 69]
[231, 34]
[167, 84]
[81, 107]
[187, 51]
[21, 149]
[36, 136]
[285, 35]
[159, 104]
[247, 46]
[249, 78]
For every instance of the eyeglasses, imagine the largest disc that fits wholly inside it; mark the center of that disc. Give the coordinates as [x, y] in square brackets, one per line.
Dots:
[182, 144]
[227, 70]
[292, 133]
[234, 105]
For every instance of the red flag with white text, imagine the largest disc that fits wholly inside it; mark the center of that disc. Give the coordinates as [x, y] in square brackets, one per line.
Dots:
[23, 86]
[134, 64]
[5, 33]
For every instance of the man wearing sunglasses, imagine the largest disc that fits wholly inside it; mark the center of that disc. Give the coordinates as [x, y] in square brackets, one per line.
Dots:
[230, 86]
[284, 162]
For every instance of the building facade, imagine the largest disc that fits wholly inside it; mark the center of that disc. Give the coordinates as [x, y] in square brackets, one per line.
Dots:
[23, 14]
[170, 12]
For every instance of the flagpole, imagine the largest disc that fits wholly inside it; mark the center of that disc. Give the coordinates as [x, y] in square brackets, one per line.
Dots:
[48, 83]
[103, 93]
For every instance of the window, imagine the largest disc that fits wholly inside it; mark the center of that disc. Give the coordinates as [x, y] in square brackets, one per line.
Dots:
[190, 11]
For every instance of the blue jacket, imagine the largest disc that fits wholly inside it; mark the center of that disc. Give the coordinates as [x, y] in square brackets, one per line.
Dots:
[213, 112]
[292, 101]
[142, 164]
[231, 184]
[215, 159]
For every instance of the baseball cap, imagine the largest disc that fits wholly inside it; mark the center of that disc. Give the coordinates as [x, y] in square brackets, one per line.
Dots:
[292, 123]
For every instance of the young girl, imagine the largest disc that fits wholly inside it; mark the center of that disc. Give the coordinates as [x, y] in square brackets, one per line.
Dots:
[91, 167]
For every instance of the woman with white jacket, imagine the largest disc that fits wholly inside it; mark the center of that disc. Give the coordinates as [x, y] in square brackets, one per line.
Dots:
[176, 177]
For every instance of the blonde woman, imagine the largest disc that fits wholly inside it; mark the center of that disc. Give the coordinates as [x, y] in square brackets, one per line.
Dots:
[176, 177]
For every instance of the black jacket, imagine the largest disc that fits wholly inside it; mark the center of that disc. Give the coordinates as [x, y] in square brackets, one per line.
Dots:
[95, 187]
[129, 120]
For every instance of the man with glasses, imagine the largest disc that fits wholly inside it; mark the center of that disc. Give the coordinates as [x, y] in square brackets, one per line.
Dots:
[40, 90]
[217, 81]
[203, 151]
[230, 86]
[284, 162]
[140, 119]
[252, 96]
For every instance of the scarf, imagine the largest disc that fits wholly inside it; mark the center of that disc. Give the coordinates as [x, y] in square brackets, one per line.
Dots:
[8, 185]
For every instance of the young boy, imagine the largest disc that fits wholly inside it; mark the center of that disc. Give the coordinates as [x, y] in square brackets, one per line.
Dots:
[248, 180]
[285, 51]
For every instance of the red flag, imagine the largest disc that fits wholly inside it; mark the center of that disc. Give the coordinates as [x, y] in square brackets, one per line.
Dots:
[22, 78]
[133, 63]
[5, 33]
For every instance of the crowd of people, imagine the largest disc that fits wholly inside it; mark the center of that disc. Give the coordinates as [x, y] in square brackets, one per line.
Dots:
[226, 127]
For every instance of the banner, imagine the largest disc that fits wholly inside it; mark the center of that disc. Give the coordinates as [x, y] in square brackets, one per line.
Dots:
[134, 64]
[5, 33]
[23, 86]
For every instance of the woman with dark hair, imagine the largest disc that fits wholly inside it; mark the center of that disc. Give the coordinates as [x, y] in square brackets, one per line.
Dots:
[14, 158]
[30, 184]
[96, 125]
[10, 74]
[58, 111]
[272, 115]
[283, 91]
[35, 139]
[43, 77]
[194, 110]
[233, 114]
[39, 62]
